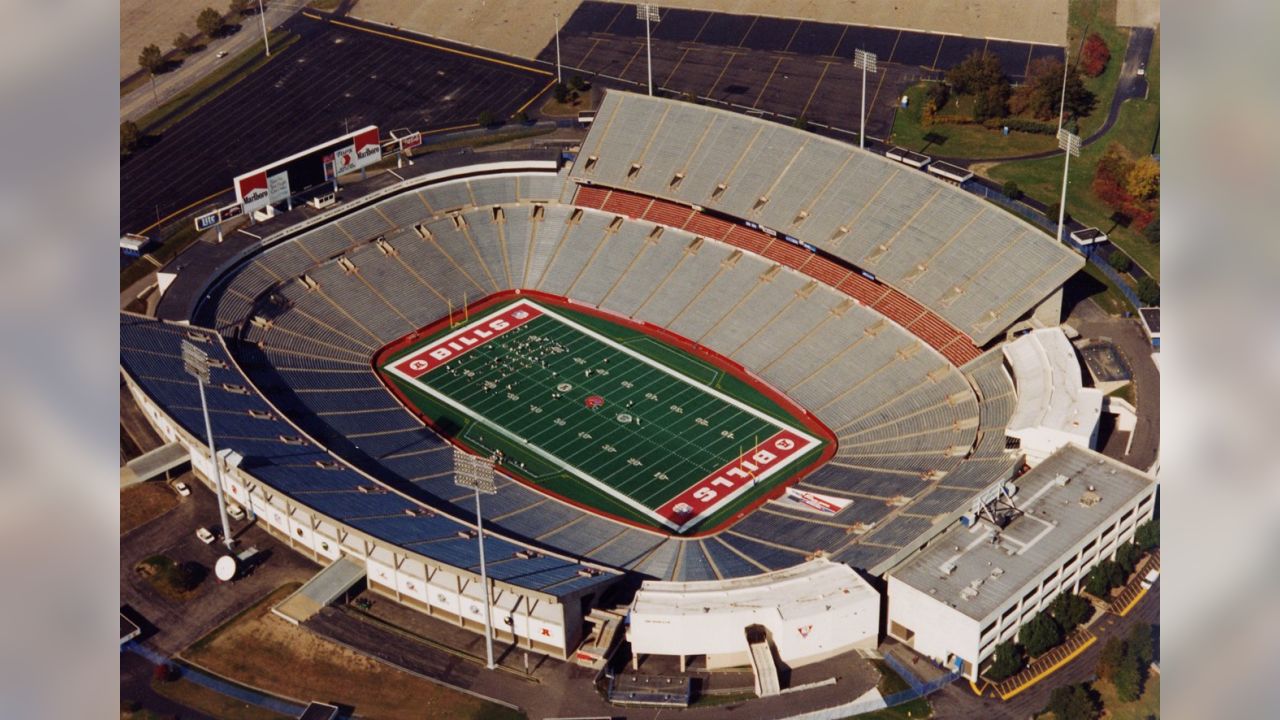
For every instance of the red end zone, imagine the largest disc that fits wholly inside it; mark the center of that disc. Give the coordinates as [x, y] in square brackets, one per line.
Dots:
[734, 478]
[459, 343]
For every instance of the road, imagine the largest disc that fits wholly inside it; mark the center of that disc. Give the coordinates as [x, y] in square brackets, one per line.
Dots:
[141, 101]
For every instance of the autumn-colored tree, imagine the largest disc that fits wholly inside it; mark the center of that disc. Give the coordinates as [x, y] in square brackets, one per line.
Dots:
[1042, 93]
[1095, 55]
[1143, 180]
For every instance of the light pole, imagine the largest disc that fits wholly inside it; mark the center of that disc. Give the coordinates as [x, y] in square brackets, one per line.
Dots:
[866, 61]
[196, 362]
[471, 471]
[1070, 142]
[263, 17]
[559, 79]
[649, 13]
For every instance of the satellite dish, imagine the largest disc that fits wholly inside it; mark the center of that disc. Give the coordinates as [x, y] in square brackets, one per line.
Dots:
[225, 568]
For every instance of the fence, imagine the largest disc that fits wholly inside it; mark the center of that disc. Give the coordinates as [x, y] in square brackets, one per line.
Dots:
[1033, 216]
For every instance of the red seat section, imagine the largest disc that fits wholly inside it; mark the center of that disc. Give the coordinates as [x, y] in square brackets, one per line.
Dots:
[707, 226]
[590, 196]
[668, 213]
[748, 239]
[629, 204]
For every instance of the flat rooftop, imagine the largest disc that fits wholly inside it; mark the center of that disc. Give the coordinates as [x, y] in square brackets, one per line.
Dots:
[795, 592]
[1056, 517]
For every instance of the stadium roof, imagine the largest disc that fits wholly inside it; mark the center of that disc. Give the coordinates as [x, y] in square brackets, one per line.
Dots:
[1050, 392]
[798, 591]
[1056, 519]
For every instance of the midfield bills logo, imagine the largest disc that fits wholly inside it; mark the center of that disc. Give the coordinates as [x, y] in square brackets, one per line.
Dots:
[460, 342]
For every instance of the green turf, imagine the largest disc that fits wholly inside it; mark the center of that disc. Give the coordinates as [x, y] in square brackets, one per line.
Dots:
[679, 433]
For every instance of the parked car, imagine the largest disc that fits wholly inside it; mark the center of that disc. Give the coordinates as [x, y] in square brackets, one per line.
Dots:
[181, 488]
[205, 536]
[221, 54]
[235, 511]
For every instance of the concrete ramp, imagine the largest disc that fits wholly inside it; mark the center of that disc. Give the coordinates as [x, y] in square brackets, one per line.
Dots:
[762, 664]
[326, 586]
[154, 464]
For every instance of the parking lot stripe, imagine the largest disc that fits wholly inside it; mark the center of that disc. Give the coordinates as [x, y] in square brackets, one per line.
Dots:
[825, 67]
[765, 86]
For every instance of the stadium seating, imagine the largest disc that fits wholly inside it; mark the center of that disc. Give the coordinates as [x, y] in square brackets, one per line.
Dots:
[907, 417]
[975, 266]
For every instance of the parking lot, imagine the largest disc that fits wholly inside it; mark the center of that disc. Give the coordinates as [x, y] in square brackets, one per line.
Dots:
[772, 66]
[339, 75]
[174, 624]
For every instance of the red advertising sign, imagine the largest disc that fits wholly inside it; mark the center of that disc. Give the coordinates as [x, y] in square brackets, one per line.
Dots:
[253, 191]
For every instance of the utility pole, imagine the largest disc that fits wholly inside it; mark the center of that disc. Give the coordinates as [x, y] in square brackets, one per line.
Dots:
[263, 17]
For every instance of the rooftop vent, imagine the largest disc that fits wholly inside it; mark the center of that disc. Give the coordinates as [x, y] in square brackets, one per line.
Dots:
[633, 171]
[720, 188]
[947, 568]
[676, 180]
[591, 163]
[1061, 480]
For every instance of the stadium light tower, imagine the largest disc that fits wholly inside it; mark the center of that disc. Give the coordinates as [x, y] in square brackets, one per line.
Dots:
[1062, 103]
[263, 17]
[1070, 142]
[196, 362]
[866, 61]
[649, 13]
[471, 471]
[559, 79]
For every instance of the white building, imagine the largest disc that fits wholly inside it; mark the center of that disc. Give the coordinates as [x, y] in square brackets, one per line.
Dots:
[809, 612]
[973, 587]
[1054, 408]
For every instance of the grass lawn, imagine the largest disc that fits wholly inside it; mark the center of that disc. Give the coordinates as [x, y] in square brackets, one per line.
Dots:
[214, 704]
[141, 503]
[1136, 129]
[261, 648]
[1086, 17]
[963, 141]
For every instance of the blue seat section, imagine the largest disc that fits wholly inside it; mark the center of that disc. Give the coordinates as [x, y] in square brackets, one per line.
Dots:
[802, 534]
[693, 563]
[661, 563]
[275, 453]
[774, 558]
[729, 563]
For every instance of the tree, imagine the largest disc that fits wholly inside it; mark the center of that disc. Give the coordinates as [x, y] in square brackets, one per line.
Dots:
[561, 93]
[1098, 582]
[1119, 261]
[182, 42]
[1128, 680]
[801, 123]
[1074, 702]
[1040, 634]
[1080, 101]
[1006, 661]
[210, 22]
[1147, 536]
[1152, 231]
[577, 83]
[1070, 610]
[1011, 190]
[993, 102]
[1143, 180]
[1095, 55]
[1141, 644]
[486, 119]
[129, 137]
[151, 59]
[937, 95]
[1041, 92]
[238, 7]
[1149, 291]
[976, 73]
[521, 117]
[1112, 658]
[1127, 557]
[1051, 212]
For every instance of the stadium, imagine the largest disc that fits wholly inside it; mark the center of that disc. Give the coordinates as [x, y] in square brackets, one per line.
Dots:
[707, 353]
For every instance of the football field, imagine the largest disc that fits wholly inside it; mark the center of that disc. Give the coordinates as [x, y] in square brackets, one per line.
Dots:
[617, 421]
